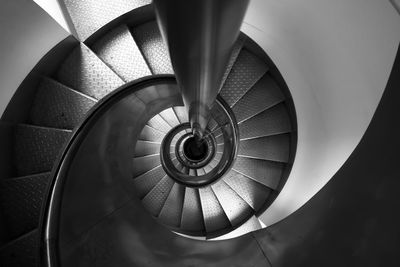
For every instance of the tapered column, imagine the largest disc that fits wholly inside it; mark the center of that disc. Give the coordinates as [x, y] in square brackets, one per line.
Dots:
[200, 35]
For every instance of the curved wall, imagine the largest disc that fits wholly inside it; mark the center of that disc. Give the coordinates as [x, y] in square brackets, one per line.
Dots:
[27, 34]
[336, 57]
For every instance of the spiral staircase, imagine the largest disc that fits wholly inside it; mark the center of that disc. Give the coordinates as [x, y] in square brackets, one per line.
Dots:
[194, 194]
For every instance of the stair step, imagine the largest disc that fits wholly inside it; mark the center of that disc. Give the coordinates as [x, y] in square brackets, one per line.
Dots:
[143, 164]
[150, 134]
[148, 180]
[181, 113]
[145, 148]
[235, 208]
[235, 53]
[85, 72]
[120, 52]
[154, 50]
[255, 194]
[263, 95]
[171, 212]
[157, 122]
[274, 148]
[192, 214]
[58, 106]
[214, 216]
[37, 148]
[90, 15]
[246, 71]
[155, 199]
[21, 252]
[272, 121]
[21, 200]
[170, 117]
[268, 173]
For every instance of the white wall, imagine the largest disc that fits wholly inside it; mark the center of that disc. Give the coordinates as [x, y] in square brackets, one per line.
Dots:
[336, 58]
[27, 34]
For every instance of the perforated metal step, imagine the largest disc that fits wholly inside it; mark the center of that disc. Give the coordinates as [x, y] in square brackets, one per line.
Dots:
[58, 106]
[85, 72]
[21, 201]
[171, 212]
[120, 52]
[143, 164]
[90, 15]
[275, 148]
[192, 213]
[148, 180]
[22, 252]
[155, 199]
[263, 95]
[154, 50]
[37, 148]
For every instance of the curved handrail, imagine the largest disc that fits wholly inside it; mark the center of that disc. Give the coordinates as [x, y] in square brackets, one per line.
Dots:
[51, 205]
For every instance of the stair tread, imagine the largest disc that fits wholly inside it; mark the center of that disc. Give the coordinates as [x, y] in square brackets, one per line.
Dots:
[85, 72]
[59, 106]
[170, 117]
[215, 218]
[23, 251]
[150, 134]
[235, 208]
[181, 113]
[145, 148]
[90, 15]
[157, 122]
[37, 148]
[192, 214]
[155, 199]
[143, 164]
[171, 212]
[21, 201]
[120, 52]
[148, 180]
[235, 53]
[268, 173]
[274, 148]
[263, 95]
[272, 121]
[154, 50]
[254, 193]
[246, 71]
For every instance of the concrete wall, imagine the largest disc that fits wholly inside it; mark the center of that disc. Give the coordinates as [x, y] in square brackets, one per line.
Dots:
[336, 58]
[27, 34]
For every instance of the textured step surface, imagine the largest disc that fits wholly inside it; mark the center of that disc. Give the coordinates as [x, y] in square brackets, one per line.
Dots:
[150, 134]
[263, 95]
[235, 208]
[37, 148]
[85, 72]
[181, 113]
[265, 172]
[90, 15]
[22, 252]
[58, 106]
[143, 164]
[145, 148]
[214, 215]
[150, 42]
[155, 199]
[192, 214]
[148, 180]
[246, 71]
[171, 212]
[272, 121]
[235, 53]
[120, 52]
[157, 122]
[170, 117]
[275, 148]
[21, 201]
[255, 194]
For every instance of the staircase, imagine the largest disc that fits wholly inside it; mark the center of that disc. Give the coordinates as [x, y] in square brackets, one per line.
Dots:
[258, 108]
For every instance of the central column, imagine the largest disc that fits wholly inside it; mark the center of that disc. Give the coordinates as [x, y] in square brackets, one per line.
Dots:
[200, 35]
